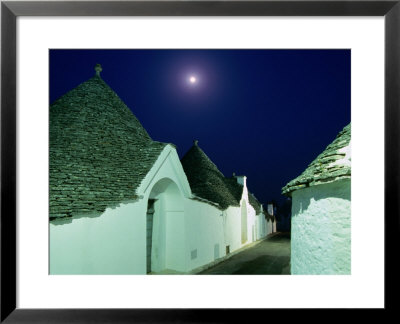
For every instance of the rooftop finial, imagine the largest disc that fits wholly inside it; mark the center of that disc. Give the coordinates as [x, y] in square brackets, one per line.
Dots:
[98, 69]
[195, 142]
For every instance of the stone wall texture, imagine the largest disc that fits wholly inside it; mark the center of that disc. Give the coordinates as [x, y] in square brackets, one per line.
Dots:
[99, 152]
[321, 229]
[187, 233]
[207, 182]
[333, 164]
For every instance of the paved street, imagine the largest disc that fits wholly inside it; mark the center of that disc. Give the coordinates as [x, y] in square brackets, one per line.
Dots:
[271, 256]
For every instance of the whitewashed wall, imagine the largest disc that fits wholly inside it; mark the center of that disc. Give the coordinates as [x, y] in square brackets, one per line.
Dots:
[320, 237]
[168, 236]
[113, 243]
[251, 224]
[261, 226]
[187, 233]
[204, 233]
[232, 217]
[210, 231]
[269, 226]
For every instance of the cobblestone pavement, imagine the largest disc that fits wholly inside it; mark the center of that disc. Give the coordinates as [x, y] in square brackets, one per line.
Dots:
[271, 256]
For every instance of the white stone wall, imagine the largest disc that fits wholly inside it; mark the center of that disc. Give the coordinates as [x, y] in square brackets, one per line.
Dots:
[261, 227]
[210, 231]
[204, 233]
[269, 227]
[113, 243]
[251, 225]
[232, 227]
[320, 233]
[187, 233]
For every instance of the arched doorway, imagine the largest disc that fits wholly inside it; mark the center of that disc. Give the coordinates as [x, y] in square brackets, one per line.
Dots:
[244, 221]
[165, 228]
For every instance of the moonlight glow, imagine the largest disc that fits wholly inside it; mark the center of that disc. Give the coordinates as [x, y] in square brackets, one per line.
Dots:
[192, 79]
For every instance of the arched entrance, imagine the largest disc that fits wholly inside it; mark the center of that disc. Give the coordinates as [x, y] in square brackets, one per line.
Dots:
[165, 228]
[244, 221]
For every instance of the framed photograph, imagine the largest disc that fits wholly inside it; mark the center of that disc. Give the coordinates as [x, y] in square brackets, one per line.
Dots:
[200, 117]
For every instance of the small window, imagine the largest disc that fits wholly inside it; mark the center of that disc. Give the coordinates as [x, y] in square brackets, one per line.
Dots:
[193, 254]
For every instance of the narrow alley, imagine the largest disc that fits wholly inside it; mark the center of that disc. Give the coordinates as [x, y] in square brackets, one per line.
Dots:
[271, 256]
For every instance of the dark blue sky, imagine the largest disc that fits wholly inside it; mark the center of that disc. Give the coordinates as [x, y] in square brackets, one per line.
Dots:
[262, 113]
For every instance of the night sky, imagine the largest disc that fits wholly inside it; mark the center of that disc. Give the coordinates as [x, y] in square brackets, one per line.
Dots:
[265, 114]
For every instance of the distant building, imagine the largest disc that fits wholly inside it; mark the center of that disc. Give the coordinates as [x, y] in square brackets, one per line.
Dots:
[121, 203]
[271, 218]
[321, 206]
[244, 221]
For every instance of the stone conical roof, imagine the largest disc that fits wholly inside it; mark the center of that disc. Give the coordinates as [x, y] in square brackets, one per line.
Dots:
[99, 151]
[207, 182]
[334, 163]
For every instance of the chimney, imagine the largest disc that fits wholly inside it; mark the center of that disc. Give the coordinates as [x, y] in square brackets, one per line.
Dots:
[241, 180]
[270, 209]
[195, 142]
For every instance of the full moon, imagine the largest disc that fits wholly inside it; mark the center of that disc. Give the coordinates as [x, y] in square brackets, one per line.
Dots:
[192, 79]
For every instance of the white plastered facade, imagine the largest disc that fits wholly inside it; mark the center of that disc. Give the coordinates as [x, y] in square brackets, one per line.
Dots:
[187, 234]
[321, 228]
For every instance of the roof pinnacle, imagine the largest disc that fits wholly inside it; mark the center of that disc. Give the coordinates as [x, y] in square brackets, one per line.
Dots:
[98, 69]
[195, 142]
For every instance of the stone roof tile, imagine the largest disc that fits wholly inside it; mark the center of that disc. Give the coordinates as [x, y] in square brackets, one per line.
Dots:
[334, 163]
[207, 182]
[99, 152]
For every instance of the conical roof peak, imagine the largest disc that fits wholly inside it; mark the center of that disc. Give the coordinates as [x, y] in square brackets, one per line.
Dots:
[208, 182]
[333, 164]
[196, 157]
[99, 151]
[94, 98]
[205, 180]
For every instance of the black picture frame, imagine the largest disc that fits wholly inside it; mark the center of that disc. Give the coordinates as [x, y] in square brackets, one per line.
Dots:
[10, 10]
